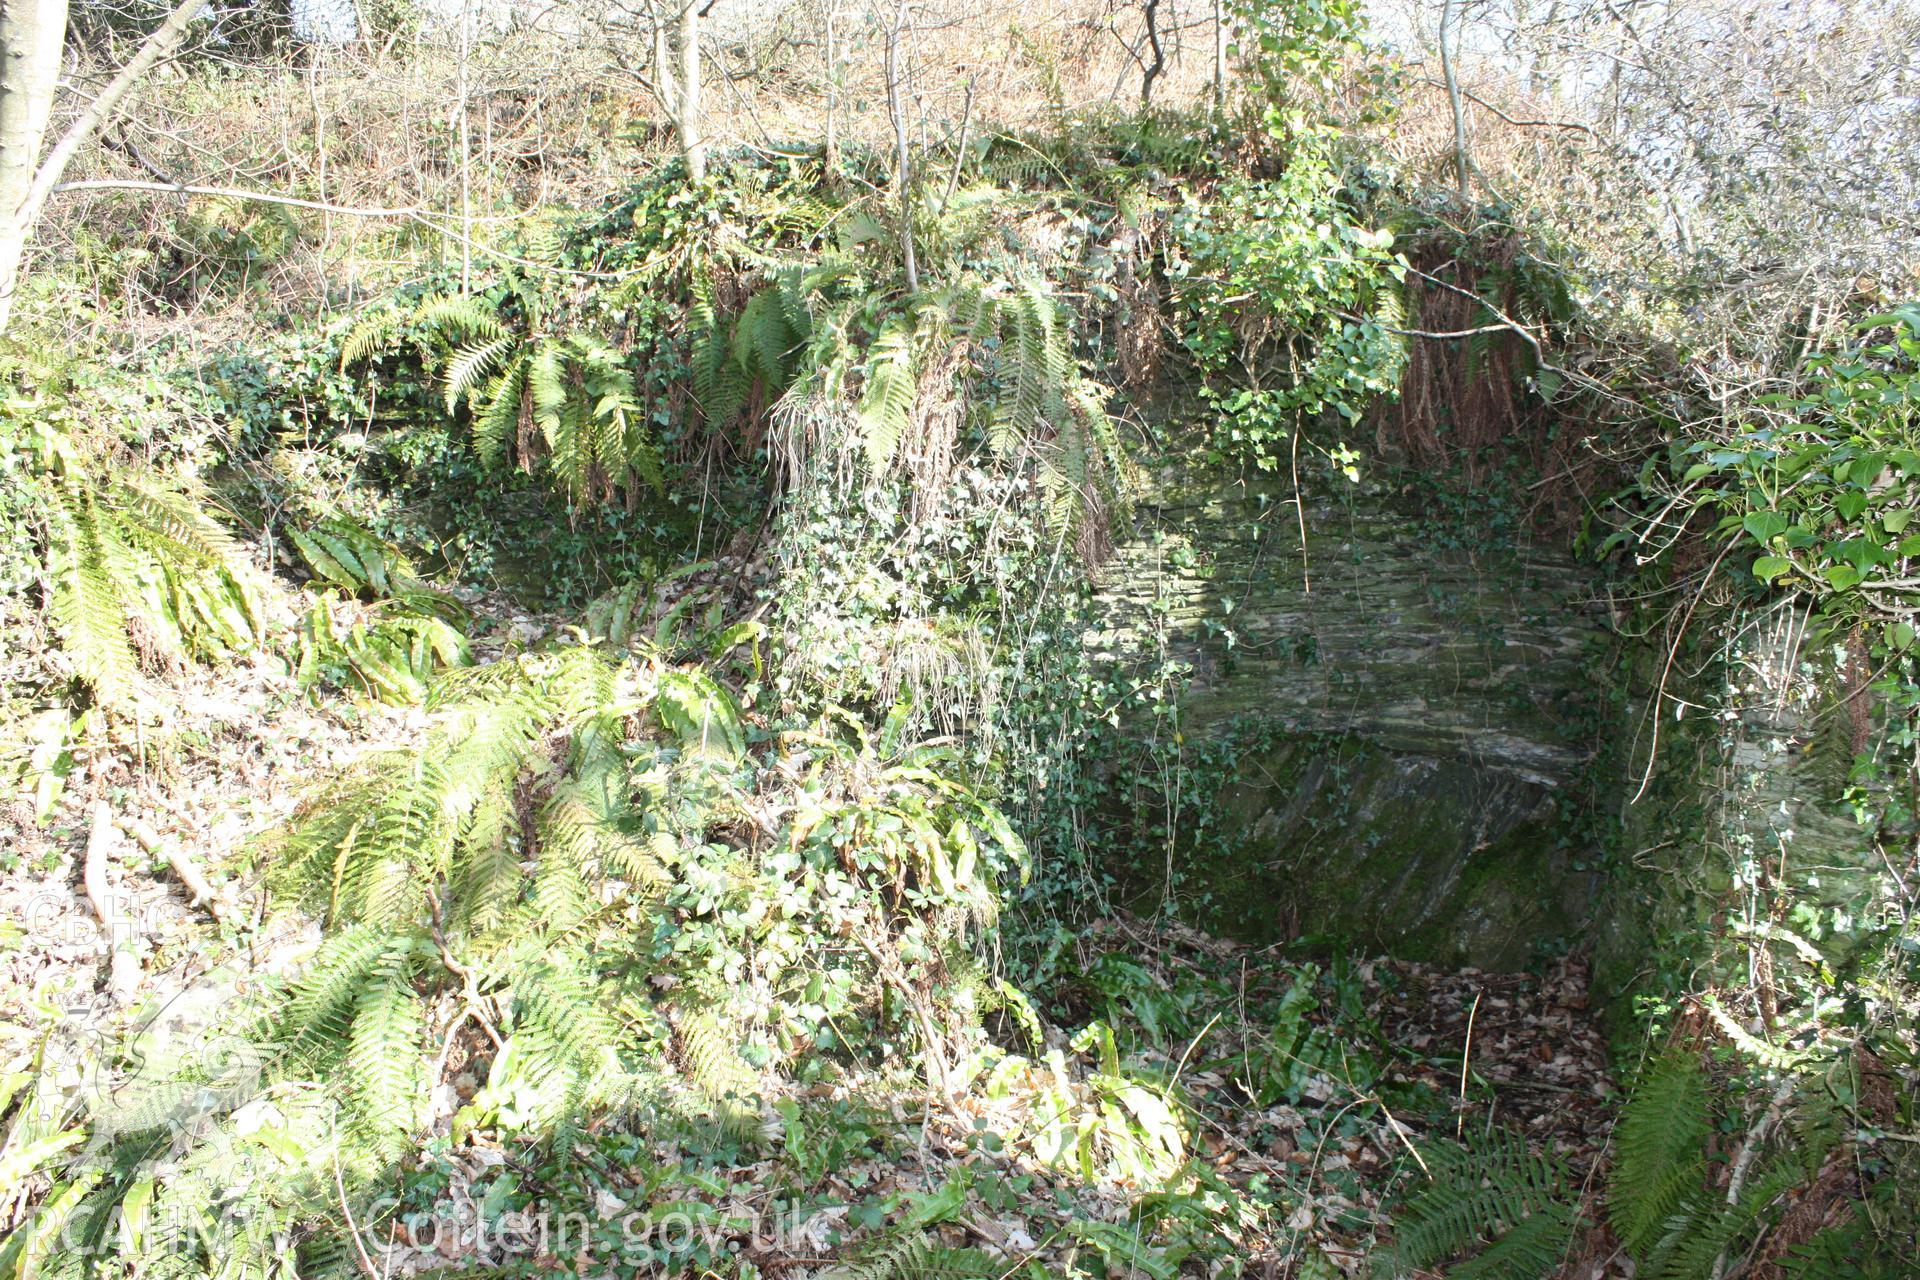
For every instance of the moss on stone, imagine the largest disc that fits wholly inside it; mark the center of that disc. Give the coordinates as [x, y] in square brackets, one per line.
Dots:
[1417, 712]
[1420, 856]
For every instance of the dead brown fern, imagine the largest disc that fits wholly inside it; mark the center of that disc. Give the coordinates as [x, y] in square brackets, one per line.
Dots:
[927, 452]
[1474, 402]
[1140, 325]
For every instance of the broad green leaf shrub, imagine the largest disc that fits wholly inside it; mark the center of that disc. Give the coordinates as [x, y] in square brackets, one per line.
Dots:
[1818, 491]
[1801, 502]
[1809, 499]
[1288, 307]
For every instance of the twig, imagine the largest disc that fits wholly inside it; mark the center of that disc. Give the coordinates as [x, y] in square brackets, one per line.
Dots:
[191, 876]
[94, 873]
[1300, 514]
[413, 212]
[1462, 165]
[446, 1046]
[1666, 670]
[960, 152]
[1159, 63]
[1437, 335]
[1525, 335]
[1479, 101]
[453, 966]
[346, 1210]
[157, 46]
[888, 968]
[1400, 1132]
[126, 146]
[235, 193]
[903, 173]
[1506, 321]
[1743, 1161]
[1466, 1061]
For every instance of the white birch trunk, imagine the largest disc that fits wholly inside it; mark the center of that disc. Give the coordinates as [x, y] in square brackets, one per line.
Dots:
[32, 36]
[35, 30]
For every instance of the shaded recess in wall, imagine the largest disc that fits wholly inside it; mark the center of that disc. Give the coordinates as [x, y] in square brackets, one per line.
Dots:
[1404, 715]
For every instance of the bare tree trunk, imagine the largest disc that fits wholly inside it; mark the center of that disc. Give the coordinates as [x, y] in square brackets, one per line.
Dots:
[833, 92]
[32, 34]
[466, 149]
[1450, 74]
[23, 209]
[1219, 58]
[1159, 62]
[903, 177]
[693, 142]
[677, 88]
[665, 86]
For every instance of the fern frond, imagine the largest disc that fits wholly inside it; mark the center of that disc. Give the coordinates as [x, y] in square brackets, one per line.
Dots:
[485, 877]
[1474, 1198]
[372, 333]
[395, 658]
[764, 339]
[315, 1018]
[496, 426]
[171, 525]
[564, 1039]
[710, 1054]
[331, 558]
[1705, 1226]
[719, 383]
[383, 1051]
[460, 315]
[914, 1256]
[886, 399]
[378, 883]
[468, 370]
[1658, 1148]
[86, 607]
[1536, 1246]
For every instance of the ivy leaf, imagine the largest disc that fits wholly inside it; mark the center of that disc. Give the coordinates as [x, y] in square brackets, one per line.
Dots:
[1900, 635]
[1850, 505]
[1866, 468]
[1767, 568]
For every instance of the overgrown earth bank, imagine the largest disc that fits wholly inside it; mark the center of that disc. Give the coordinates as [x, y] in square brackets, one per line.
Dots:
[1311, 678]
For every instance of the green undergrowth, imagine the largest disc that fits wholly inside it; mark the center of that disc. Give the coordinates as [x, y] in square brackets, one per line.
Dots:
[847, 1158]
[610, 940]
[655, 889]
[776, 883]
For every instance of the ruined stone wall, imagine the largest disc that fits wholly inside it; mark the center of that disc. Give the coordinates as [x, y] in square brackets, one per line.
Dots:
[1737, 804]
[1416, 708]
[1439, 747]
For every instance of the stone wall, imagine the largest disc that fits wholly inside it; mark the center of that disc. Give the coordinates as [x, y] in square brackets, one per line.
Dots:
[1736, 807]
[1422, 757]
[1414, 708]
